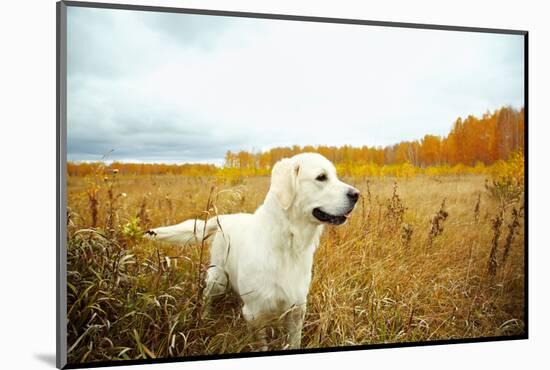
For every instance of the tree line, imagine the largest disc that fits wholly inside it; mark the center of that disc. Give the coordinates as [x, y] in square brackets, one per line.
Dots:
[123, 168]
[494, 136]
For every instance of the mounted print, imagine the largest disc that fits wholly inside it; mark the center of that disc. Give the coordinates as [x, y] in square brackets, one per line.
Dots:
[237, 184]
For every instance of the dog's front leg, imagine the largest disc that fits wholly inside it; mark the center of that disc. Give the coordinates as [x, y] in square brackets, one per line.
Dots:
[256, 326]
[216, 285]
[294, 324]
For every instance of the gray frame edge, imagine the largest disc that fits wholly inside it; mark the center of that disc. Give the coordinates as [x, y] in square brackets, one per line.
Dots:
[61, 186]
[290, 17]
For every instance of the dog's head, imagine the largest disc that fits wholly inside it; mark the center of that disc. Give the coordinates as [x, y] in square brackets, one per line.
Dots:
[307, 184]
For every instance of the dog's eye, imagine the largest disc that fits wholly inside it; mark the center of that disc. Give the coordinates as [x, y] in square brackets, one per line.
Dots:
[322, 177]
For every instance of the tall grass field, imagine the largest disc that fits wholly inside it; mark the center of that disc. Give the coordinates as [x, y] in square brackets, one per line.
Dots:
[424, 257]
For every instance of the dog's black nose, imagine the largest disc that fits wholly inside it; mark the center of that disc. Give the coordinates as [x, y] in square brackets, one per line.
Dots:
[353, 195]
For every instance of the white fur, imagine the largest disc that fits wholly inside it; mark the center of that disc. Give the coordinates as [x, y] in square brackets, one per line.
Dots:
[266, 257]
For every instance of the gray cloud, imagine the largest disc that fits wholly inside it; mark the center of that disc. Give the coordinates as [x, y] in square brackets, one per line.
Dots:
[165, 147]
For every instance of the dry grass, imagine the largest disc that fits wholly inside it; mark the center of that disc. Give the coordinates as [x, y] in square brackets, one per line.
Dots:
[419, 260]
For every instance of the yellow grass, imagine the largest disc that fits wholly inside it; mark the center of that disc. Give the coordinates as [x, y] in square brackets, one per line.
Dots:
[384, 277]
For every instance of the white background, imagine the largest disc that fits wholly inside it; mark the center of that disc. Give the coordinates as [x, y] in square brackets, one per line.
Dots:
[27, 181]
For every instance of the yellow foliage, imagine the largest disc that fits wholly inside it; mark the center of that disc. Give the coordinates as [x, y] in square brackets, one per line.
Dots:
[508, 182]
[512, 168]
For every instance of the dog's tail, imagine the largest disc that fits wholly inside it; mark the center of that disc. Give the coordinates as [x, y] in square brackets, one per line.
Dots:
[190, 231]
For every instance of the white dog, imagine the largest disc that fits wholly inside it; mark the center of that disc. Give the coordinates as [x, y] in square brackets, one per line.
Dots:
[266, 257]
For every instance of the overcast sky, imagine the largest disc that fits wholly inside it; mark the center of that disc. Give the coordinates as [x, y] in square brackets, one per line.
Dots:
[159, 87]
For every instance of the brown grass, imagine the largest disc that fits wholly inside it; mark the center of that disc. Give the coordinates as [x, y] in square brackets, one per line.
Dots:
[374, 279]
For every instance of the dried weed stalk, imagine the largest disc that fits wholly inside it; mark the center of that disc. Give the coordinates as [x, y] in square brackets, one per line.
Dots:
[512, 231]
[496, 224]
[436, 224]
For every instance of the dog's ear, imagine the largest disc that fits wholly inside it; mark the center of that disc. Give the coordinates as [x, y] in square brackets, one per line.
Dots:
[283, 181]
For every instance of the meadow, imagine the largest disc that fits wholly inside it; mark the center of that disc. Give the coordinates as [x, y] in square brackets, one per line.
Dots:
[425, 256]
